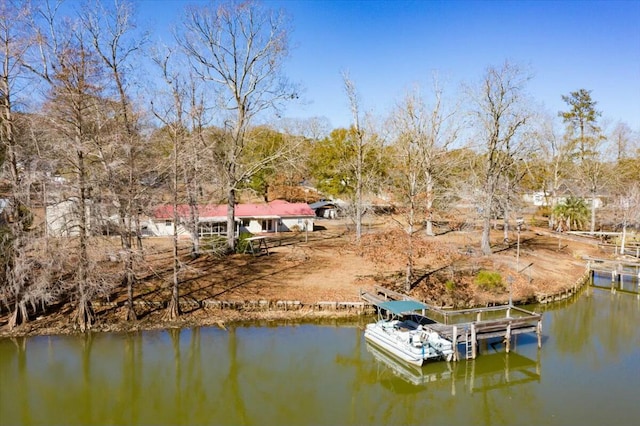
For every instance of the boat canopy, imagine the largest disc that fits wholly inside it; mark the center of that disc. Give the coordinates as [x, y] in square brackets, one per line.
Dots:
[398, 307]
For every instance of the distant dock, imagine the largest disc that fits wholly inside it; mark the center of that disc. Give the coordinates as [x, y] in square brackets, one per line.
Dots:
[624, 274]
[469, 326]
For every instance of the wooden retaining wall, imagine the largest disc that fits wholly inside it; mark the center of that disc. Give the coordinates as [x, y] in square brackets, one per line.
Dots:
[252, 305]
[544, 298]
[363, 307]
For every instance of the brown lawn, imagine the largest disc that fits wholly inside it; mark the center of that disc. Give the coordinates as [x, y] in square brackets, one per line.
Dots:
[328, 265]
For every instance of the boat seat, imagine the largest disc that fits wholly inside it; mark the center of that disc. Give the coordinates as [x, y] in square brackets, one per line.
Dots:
[387, 325]
[411, 325]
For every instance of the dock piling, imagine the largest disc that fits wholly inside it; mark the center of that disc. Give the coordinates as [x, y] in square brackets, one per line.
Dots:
[456, 355]
[474, 343]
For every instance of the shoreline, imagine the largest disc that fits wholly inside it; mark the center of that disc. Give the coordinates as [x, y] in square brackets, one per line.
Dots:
[220, 318]
[234, 315]
[300, 290]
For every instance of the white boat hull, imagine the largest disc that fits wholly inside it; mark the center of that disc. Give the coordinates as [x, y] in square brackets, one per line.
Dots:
[414, 345]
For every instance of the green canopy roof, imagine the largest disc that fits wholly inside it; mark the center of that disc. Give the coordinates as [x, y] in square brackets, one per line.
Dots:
[401, 306]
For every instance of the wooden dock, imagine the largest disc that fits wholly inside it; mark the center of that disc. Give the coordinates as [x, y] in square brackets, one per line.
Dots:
[468, 326]
[625, 274]
[613, 266]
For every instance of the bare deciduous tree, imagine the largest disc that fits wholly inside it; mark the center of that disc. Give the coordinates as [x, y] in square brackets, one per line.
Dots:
[171, 114]
[239, 49]
[500, 116]
[360, 147]
[420, 141]
[73, 75]
[551, 164]
[621, 138]
[111, 31]
[362, 162]
[22, 265]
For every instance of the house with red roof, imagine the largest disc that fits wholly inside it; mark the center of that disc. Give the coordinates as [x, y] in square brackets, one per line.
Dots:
[275, 216]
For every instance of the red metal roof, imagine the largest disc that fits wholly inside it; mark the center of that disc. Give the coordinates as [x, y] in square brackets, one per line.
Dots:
[279, 208]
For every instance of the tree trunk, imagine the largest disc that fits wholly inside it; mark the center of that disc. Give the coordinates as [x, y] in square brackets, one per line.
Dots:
[138, 234]
[238, 139]
[359, 206]
[195, 235]
[593, 212]
[129, 280]
[485, 242]
[408, 275]
[84, 313]
[231, 223]
[429, 205]
[552, 215]
[409, 272]
[20, 314]
[505, 234]
[173, 308]
[128, 276]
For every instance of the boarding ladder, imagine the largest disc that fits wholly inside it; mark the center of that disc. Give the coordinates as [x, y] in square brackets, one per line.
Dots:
[468, 343]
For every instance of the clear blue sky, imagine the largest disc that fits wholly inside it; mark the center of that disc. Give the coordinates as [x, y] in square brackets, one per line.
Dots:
[389, 47]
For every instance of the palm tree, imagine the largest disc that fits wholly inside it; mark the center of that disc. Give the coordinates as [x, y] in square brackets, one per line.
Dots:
[573, 212]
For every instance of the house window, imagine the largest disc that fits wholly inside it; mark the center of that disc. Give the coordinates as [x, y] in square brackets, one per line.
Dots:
[267, 225]
[167, 222]
[208, 229]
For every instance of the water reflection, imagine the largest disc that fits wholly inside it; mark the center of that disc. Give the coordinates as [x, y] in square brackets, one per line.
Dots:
[487, 372]
[310, 374]
[627, 281]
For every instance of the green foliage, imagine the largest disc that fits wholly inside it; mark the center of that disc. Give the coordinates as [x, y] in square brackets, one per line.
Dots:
[325, 163]
[582, 109]
[574, 212]
[263, 146]
[581, 120]
[259, 183]
[242, 245]
[627, 170]
[489, 280]
[332, 162]
[534, 176]
[450, 286]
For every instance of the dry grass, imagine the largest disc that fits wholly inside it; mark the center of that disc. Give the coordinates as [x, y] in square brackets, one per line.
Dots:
[329, 265]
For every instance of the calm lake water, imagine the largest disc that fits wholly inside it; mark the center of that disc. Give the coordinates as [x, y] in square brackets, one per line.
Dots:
[587, 373]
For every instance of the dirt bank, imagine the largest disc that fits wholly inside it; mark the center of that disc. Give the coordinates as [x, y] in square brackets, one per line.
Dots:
[328, 265]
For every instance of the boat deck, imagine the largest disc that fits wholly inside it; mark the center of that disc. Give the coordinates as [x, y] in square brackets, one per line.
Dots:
[468, 326]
